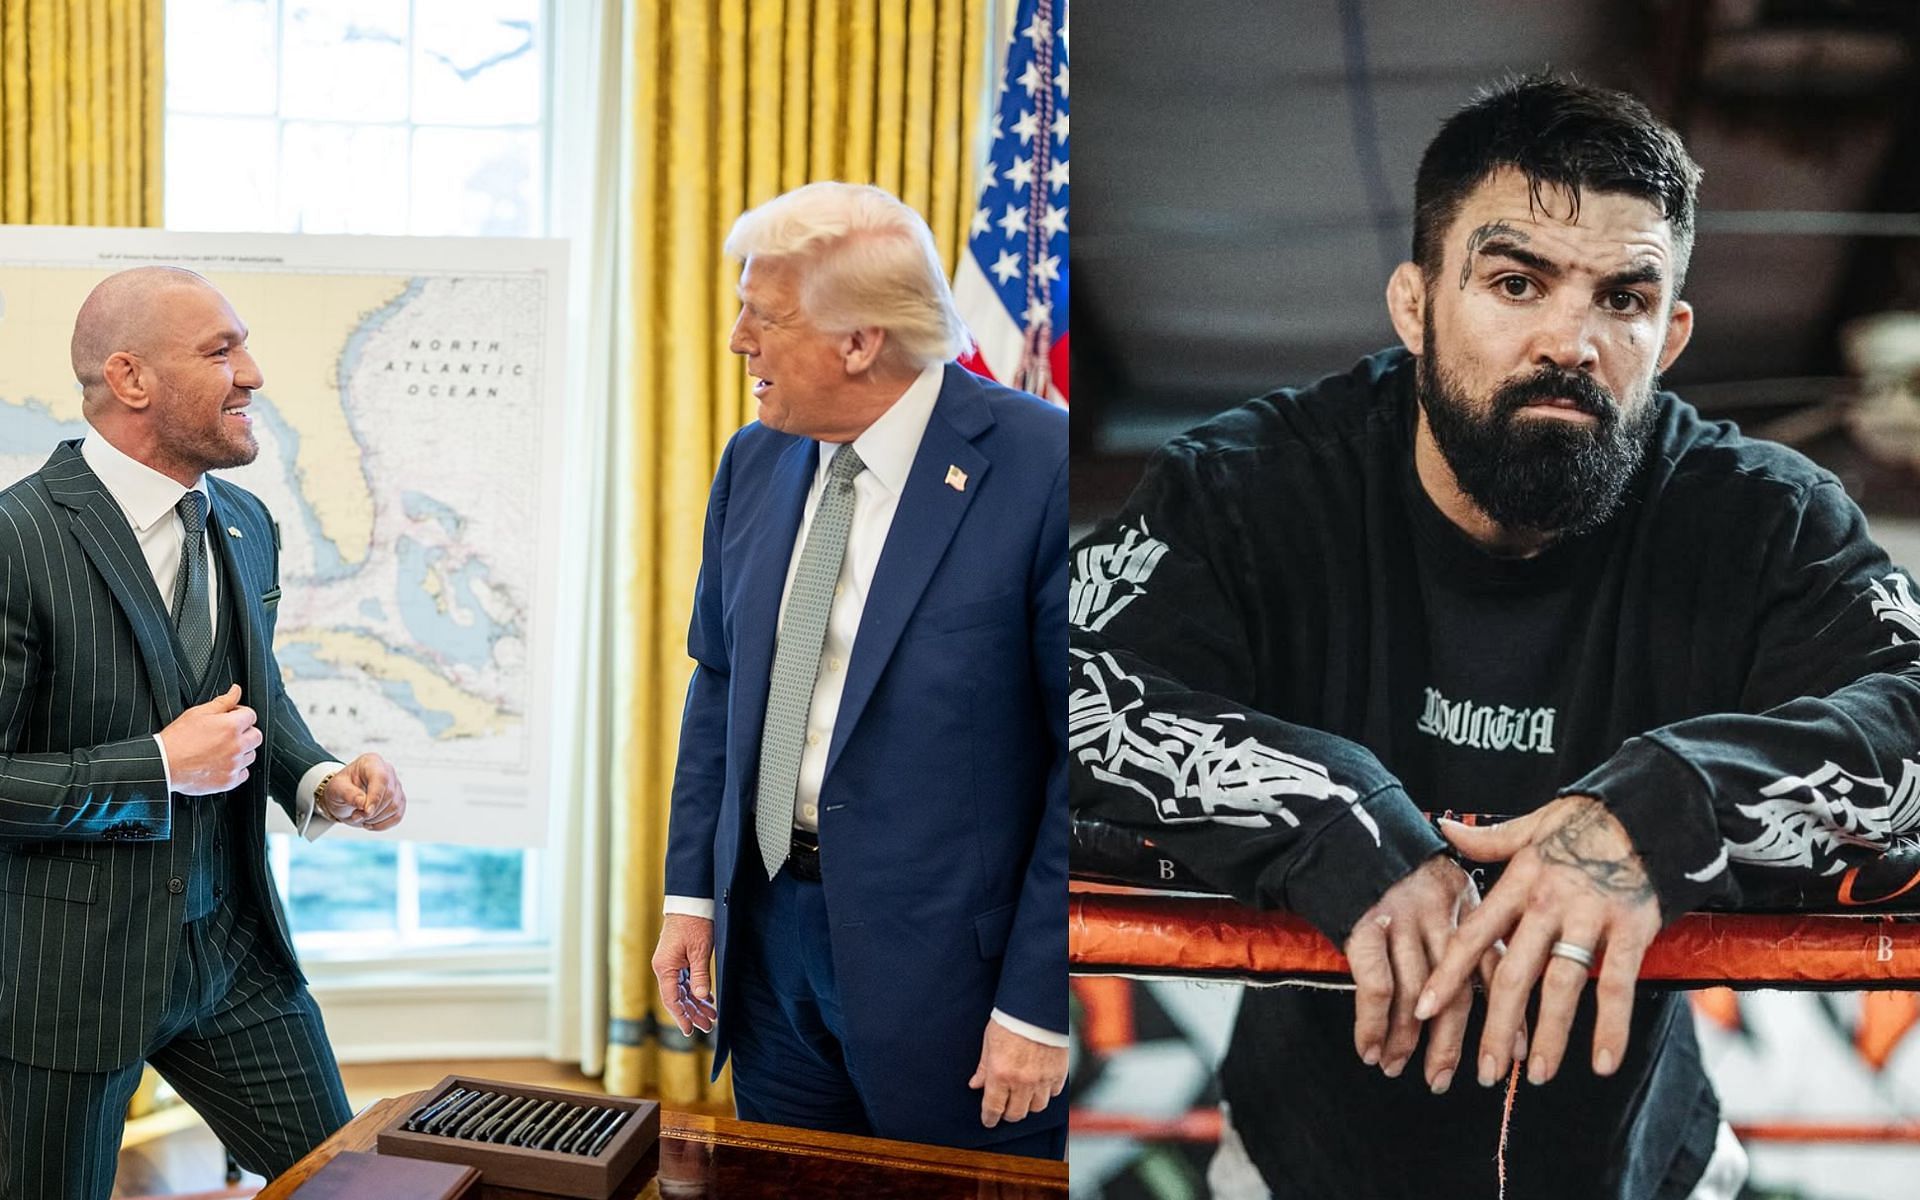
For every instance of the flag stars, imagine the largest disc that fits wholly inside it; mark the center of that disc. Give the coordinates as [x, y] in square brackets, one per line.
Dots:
[1037, 32]
[1007, 267]
[980, 223]
[1039, 312]
[1054, 220]
[1060, 128]
[1026, 126]
[1030, 78]
[1020, 174]
[1060, 79]
[1047, 268]
[1015, 222]
[1057, 173]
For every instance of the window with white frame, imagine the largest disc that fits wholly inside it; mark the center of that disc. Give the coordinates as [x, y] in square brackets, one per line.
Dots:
[422, 117]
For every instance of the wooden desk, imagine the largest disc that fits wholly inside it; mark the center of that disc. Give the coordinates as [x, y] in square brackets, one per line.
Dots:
[713, 1158]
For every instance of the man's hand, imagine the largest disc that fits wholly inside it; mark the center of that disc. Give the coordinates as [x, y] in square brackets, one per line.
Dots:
[680, 964]
[1573, 877]
[1017, 1075]
[1392, 948]
[366, 793]
[211, 745]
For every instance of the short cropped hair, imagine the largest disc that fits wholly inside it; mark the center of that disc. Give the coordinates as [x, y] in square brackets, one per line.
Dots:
[1557, 133]
[869, 261]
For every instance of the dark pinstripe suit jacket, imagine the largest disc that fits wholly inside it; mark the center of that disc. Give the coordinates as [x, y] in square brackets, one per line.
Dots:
[88, 927]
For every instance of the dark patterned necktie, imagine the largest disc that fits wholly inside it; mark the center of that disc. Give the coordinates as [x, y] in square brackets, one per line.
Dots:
[191, 615]
[796, 660]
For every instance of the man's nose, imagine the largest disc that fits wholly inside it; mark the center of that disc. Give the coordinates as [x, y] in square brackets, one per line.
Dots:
[246, 372]
[1566, 337]
[737, 340]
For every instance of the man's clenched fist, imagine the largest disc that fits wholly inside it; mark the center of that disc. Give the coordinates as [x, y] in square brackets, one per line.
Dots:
[210, 746]
[366, 793]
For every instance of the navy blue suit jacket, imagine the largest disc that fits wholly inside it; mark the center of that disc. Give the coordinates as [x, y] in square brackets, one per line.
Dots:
[943, 812]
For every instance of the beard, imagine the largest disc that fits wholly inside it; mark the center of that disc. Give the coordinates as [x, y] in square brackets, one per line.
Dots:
[200, 445]
[1538, 474]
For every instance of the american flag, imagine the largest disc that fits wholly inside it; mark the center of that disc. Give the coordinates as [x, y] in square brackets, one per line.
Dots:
[1011, 284]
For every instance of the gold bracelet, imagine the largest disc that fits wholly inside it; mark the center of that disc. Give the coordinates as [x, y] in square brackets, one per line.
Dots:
[322, 790]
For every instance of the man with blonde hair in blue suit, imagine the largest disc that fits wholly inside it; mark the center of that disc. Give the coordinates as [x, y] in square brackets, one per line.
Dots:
[869, 813]
[143, 729]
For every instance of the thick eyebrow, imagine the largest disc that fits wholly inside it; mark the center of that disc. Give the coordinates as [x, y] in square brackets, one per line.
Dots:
[1499, 234]
[1646, 272]
[1501, 248]
[1639, 273]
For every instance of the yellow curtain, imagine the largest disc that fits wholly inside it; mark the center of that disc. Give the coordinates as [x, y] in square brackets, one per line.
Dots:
[80, 111]
[733, 103]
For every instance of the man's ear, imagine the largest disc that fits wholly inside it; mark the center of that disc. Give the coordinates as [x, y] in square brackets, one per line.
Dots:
[860, 350]
[128, 379]
[1407, 306]
[1679, 333]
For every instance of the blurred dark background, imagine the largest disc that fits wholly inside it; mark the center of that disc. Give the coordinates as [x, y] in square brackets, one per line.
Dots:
[1246, 185]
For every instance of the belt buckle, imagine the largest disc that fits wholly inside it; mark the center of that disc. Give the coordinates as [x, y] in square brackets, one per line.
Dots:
[803, 856]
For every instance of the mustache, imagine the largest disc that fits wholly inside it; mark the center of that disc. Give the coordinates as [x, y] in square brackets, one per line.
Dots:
[1551, 383]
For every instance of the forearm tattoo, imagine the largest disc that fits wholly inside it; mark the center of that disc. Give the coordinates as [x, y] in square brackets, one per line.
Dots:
[1587, 842]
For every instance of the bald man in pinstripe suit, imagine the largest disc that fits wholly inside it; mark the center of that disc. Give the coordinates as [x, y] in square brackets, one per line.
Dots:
[143, 728]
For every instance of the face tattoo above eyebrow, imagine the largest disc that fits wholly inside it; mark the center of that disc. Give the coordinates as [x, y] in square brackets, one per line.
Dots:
[1481, 237]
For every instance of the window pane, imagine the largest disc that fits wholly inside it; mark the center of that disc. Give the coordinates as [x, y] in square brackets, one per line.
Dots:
[345, 60]
[221, 172]
[220, 57]
[477, 62]
[462, 887]
[340, 883]
[476, 182]
[344, 178]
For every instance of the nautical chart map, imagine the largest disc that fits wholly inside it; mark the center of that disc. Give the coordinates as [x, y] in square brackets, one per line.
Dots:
[410, 448]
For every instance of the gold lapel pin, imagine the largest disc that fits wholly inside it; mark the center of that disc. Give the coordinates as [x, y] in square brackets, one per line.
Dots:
[233, 531]
[956, 479]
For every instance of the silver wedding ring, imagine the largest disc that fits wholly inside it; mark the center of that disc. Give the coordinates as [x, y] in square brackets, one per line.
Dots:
[1573, 953]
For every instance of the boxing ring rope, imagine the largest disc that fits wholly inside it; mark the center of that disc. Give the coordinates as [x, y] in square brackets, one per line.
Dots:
[1143, 934]
[1121, 931]
[1201, 1126]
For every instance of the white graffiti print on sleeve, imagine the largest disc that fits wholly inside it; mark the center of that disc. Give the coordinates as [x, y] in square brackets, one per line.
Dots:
[1806, 820]
[1893, 603]
[1108, 576]
[1189, 769]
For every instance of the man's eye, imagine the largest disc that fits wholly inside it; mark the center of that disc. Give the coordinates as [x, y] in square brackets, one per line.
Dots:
[1516, 287]
[1626, 302]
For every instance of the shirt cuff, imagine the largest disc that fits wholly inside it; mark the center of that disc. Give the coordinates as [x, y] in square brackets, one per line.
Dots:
[310, 821]
[1033, 1033]
[688, 906]
[166, 768]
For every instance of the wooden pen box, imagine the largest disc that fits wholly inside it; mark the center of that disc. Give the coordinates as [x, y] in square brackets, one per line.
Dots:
[562, 1174]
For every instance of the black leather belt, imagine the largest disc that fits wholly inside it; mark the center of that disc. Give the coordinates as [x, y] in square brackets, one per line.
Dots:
[803, 859]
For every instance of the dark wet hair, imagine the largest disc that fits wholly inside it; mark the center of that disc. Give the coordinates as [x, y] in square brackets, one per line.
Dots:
[1557, 133]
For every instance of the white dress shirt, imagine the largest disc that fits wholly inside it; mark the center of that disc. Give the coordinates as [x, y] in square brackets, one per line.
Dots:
[149, 500]
[887, 448]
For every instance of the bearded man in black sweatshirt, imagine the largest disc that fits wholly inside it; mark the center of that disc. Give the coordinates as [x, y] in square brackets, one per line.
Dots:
[1498, 571]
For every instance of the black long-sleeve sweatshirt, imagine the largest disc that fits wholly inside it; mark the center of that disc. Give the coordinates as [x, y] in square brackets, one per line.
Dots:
[1283, 651]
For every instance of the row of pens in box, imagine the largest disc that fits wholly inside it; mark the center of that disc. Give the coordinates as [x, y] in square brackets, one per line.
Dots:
[477, 1115]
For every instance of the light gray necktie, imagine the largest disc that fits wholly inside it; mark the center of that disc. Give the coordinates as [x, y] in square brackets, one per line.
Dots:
[191, 616]
[796, 659]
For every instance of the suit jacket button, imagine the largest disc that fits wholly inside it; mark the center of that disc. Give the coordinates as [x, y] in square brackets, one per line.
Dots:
[726, 894]
[176, 885]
